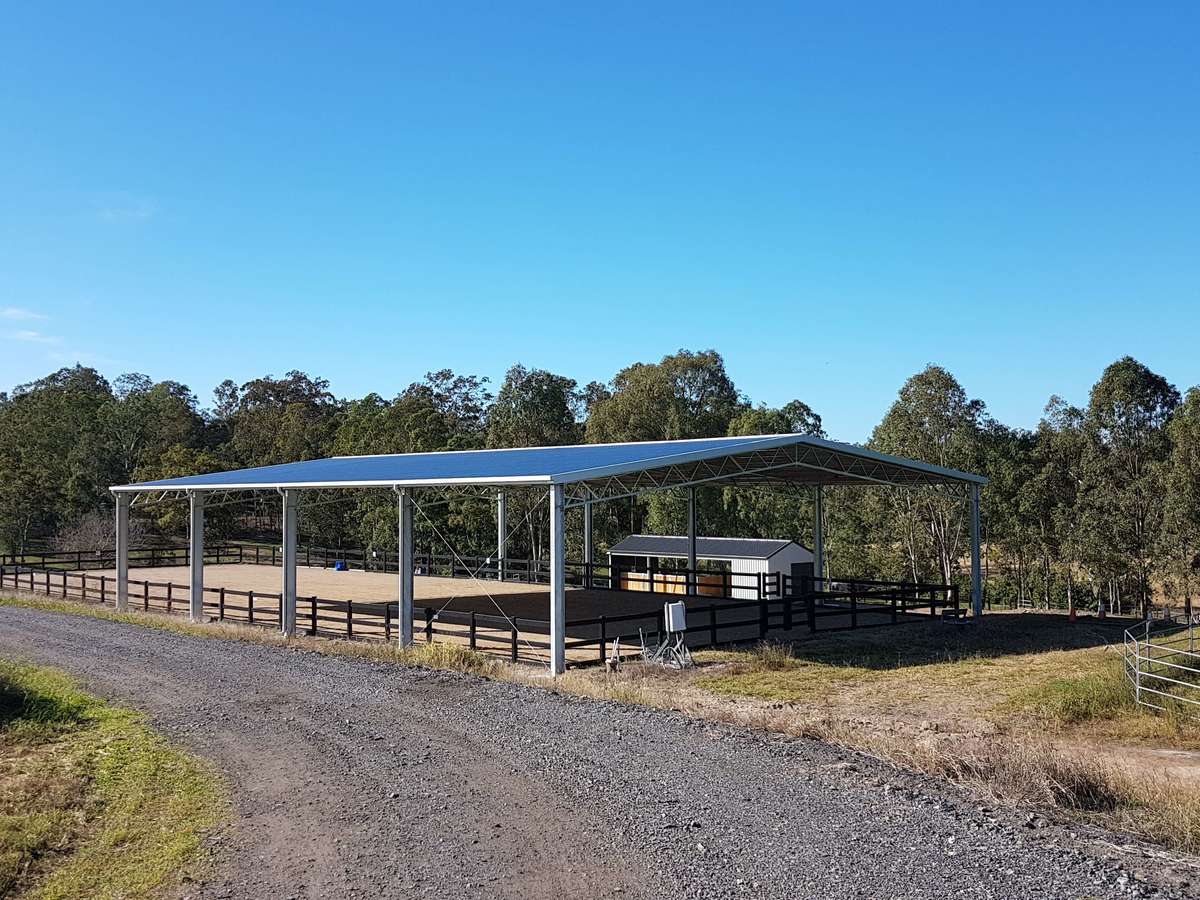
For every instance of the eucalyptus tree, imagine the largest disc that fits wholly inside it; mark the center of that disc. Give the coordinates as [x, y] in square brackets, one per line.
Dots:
[443, 411]
[932, 420]
[279, 420]
[1123, 472]
[56, 461]
[1179, 542]
[170, 516]
[1062, 452]
[1009, 512]
[777, 513]
[684, 395]
[535, 408]
[144, 419]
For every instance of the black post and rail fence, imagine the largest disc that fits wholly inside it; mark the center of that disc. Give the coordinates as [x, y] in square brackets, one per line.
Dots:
[724, 609]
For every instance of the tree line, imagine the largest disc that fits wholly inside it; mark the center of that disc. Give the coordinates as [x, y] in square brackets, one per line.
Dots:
[1099, 505]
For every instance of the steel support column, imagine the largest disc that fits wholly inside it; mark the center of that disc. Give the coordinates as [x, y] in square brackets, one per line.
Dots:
[818, 548]
[287, 607]
[588, 560]
[692, 517]
[122, 551]
[558, 584]
[976, 569]
[405, 564]
[196, 555]
[501, 533]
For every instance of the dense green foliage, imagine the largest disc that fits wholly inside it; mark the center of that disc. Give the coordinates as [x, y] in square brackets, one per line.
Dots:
[1098, 504]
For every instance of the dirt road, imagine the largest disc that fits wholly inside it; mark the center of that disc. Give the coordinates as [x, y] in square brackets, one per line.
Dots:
[358, 779]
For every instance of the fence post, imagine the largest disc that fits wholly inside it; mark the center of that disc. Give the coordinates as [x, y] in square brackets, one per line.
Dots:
[221, 605]
[350, 620]
[83, 586]
[472, 629]
[428, 625]
[603, 635]
[387, 622]
[250, 607]
[103, 587]
[170, 598]
[513, 633]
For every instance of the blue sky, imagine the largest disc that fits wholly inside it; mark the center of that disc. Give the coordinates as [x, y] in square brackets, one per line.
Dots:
[831, 197]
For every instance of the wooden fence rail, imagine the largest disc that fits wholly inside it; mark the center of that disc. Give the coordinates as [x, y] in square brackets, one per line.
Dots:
[778, 608]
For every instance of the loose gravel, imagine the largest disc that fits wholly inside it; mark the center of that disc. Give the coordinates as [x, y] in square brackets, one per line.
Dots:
[359, 779]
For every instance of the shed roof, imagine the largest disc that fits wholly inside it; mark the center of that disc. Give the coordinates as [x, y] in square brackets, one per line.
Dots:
[675, 546]
[757, 459]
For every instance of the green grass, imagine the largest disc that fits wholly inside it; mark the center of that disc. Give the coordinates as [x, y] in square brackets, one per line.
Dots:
[93, 803]
[1103, 693]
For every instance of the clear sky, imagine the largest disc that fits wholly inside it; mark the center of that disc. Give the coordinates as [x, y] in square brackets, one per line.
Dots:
[830, 195]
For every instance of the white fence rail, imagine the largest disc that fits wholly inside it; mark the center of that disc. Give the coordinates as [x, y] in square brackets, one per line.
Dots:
[1162, 663]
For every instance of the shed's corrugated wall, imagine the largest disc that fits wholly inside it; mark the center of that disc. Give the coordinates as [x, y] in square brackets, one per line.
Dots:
[745, 579]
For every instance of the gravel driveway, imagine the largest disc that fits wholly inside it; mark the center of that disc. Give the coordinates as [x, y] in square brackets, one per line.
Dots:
[358, 779]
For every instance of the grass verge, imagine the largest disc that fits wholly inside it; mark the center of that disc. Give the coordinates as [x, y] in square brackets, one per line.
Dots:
[93, 803]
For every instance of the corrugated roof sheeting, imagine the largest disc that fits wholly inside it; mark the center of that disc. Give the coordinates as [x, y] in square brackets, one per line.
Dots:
[706, 547]
[759, 459]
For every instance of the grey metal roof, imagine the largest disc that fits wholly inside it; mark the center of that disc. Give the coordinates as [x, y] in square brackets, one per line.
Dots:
[759, 459]
[706, 547]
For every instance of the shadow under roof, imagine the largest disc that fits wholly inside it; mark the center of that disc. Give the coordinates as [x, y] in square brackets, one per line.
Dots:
[603, 469]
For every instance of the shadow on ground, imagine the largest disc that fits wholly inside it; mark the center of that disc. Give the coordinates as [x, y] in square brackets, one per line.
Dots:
[928, 643]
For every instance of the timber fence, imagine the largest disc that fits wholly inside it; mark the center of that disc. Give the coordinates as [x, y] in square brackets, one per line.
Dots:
[782, 605]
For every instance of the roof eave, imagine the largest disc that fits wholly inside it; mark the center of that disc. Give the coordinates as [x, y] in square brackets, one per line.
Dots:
[146, 487]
